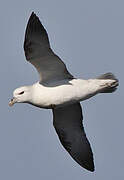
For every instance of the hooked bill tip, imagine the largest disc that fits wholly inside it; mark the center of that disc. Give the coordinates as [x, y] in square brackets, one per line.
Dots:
[12, 102]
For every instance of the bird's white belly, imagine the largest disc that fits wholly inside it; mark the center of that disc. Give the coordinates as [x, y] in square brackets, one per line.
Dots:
[57, 95]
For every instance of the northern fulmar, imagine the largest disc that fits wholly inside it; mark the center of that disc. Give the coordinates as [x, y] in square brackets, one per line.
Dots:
[60, 91]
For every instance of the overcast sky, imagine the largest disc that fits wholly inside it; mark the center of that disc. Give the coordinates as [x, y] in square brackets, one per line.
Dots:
[89, 37]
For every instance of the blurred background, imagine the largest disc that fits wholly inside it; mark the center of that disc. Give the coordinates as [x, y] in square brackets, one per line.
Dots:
[89, 37]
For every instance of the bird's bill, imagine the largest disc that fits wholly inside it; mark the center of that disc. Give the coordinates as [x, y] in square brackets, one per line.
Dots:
[12, 102]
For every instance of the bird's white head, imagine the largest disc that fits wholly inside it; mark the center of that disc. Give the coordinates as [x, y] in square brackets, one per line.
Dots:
[20, 95]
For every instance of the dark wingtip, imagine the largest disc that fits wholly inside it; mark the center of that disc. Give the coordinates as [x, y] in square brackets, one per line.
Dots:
[32, 15]
[89, 167]
[88, 163]
[34, 21]
[92, 169]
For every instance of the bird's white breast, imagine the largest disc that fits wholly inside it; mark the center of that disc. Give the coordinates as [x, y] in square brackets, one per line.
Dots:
[64, 92]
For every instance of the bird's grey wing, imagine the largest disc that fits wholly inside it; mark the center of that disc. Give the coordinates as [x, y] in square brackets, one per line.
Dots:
[38, 52]
[68, 125]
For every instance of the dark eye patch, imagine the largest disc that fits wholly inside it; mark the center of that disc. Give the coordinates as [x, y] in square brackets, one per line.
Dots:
[21, 93]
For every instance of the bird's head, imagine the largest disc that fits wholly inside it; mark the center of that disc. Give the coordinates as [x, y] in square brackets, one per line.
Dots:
[20, 95]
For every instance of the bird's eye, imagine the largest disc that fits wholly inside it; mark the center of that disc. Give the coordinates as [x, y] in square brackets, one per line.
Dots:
[21, 93]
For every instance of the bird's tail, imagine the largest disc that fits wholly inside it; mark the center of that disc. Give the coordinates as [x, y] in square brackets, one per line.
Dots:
[110, 87]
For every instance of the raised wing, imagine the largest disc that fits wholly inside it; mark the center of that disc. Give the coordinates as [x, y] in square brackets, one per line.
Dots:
[38, 52]
[68, 125]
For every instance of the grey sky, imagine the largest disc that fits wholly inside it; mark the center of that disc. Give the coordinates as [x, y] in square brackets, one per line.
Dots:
[89, 36]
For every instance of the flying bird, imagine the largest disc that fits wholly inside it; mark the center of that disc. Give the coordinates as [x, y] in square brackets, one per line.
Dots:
[60, 91]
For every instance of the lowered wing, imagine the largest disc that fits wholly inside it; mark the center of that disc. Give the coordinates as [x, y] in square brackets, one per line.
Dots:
[68, 125]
